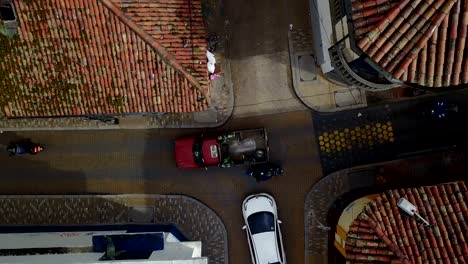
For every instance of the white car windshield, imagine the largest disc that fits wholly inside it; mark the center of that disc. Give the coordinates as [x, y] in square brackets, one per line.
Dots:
[261, 222]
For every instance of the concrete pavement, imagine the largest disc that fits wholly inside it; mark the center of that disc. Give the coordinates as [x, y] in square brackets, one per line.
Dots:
[262, 85]
[269, 69]
[257, 46]
[141, 161]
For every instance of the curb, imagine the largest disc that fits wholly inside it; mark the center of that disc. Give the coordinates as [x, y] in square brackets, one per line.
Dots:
[226, 248]
[294, 65]
[324, 193]
[318, 201]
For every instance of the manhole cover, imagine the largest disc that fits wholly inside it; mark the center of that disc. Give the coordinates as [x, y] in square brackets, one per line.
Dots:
[141, 214]
[306, 68]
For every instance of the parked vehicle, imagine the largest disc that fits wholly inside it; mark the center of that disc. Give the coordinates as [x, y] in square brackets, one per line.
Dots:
[264, 171]
[246, 147]
[24, 147]
[263, 229]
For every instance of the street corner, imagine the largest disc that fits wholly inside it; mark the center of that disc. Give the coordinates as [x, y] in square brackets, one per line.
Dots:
[313, 88]
[334, 204]
[192, 218]
[319, 206]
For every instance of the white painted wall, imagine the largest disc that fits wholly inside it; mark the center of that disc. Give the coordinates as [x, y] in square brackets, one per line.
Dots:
[53, 239]
[174, 252]
[89, 258]
[181, 251]
[322, 31]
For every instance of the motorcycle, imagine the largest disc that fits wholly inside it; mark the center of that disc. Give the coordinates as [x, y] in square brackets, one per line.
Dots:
[25, 147]
[264, 171]
[442, 110]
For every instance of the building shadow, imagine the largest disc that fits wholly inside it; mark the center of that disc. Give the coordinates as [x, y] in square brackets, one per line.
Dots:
[30, 174]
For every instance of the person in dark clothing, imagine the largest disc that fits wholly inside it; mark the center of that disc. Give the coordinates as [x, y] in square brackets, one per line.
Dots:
[264, 171]
[24, 147]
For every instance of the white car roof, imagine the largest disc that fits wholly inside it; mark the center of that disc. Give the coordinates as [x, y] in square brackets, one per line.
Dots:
[259, 203]
[266, 247]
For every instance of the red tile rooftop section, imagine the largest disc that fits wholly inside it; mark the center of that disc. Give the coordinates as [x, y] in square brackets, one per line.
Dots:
[383, 234]
[85, 57]
[417, 41]
[178, 26]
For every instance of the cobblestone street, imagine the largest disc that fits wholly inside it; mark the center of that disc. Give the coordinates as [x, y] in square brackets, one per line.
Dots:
[141, 161]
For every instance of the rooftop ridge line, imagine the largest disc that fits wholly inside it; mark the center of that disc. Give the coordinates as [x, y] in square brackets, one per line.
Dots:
[159, 49]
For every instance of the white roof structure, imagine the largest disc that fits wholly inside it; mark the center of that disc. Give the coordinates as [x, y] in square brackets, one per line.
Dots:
[174, 252]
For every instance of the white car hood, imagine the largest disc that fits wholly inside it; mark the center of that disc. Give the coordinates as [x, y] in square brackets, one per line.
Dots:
[265, 247]
[259, 204]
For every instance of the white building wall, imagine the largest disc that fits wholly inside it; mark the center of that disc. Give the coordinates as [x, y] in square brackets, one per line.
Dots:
[322, 30]
[53, 239]
[174, 252]
[89, 258]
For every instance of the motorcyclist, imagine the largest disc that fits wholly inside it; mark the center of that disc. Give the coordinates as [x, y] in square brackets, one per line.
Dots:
[264, 171]
[24, 147]
[36, 149]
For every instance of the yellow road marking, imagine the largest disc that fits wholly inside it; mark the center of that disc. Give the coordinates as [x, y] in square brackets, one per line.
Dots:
[368, 135]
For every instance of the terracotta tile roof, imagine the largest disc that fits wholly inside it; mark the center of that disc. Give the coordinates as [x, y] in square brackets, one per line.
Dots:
[382, 234]
[82, 57]
[419, 41]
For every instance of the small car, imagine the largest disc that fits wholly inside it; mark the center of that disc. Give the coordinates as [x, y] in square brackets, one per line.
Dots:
[263, 229]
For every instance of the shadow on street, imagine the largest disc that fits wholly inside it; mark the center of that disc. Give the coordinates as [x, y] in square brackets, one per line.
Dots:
[30, 174]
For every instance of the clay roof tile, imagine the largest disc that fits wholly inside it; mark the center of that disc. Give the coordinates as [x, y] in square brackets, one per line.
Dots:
[405, 33]
[87, 57]
[401, 238]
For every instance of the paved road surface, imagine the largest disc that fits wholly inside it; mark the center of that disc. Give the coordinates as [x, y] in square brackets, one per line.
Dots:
[415, 129]
[257, 47]
[141, 161]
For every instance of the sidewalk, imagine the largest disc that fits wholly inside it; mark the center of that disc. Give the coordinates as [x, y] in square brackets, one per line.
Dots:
[311, 87]
[194, 219]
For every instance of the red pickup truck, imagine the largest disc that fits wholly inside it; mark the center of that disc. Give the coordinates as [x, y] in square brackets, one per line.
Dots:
[228, 149]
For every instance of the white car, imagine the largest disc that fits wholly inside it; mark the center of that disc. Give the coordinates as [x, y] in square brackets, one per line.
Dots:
[263, 229]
